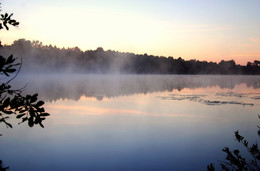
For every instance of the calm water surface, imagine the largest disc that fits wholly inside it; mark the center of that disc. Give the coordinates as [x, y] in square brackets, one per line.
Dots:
[128, 122]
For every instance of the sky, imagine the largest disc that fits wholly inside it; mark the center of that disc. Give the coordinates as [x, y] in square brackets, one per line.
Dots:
[211, 30]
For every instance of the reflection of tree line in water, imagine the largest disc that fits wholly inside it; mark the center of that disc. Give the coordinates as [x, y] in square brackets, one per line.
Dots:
[54, 87]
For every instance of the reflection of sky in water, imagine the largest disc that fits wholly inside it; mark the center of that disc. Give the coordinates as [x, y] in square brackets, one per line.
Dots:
[136, 131]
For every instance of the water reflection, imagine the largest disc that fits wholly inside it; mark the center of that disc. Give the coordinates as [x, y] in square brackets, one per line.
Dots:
[203, 98]
[152, 123]
[54, 87]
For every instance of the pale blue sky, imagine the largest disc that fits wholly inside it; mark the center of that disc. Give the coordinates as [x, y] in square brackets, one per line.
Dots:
[193, 29]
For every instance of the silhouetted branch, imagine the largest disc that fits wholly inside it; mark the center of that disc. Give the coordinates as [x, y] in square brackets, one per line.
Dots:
[20, 65]
[235, 161]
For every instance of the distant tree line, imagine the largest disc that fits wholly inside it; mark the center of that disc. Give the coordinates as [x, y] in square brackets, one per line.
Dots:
[41, 58]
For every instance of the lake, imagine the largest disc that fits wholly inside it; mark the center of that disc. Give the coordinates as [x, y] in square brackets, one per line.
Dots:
[132, 122]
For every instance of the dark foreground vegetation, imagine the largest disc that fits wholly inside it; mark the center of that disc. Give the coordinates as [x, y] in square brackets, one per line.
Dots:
[40, 58]
[12, 102]
[236, 160]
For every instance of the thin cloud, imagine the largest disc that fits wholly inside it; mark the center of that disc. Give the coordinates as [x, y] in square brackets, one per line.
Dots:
[255, 40]
[200, 28]
[247, 45]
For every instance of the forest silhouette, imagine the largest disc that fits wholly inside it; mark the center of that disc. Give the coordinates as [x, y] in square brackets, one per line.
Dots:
[47, 59]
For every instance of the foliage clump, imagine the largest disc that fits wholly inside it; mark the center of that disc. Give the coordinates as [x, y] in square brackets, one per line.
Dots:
[12, 102]
[234, 159]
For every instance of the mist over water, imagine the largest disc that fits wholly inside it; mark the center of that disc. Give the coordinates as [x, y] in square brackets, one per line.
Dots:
[132, 122]
[73, 86]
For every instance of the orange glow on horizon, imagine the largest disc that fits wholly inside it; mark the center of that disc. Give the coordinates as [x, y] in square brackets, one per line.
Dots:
[139, 32]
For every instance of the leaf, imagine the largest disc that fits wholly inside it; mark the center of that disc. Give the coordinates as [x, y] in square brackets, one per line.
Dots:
[6, 27]
[245, 143]
[40, 110]
[238, 136]
[40, 103]
[12, 21]
[20, 115]
[32, 112]
[31, 123]
[9, 66]
[9, 17]
[6, 102]
[24, 119]
[10, 59]
[5, 73]
[34, 98]
[45, 114]
[9, 125]
[8, 112]
[36, 121]
[22, 111]
[16, 64]
[28, 97]
[11, 70]
[16, 24]
[236, 152]
[40, 123]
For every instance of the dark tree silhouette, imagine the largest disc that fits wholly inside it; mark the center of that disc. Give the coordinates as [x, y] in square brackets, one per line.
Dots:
[12, 102]
[2, 167]
[234, 159]
[48, 58]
